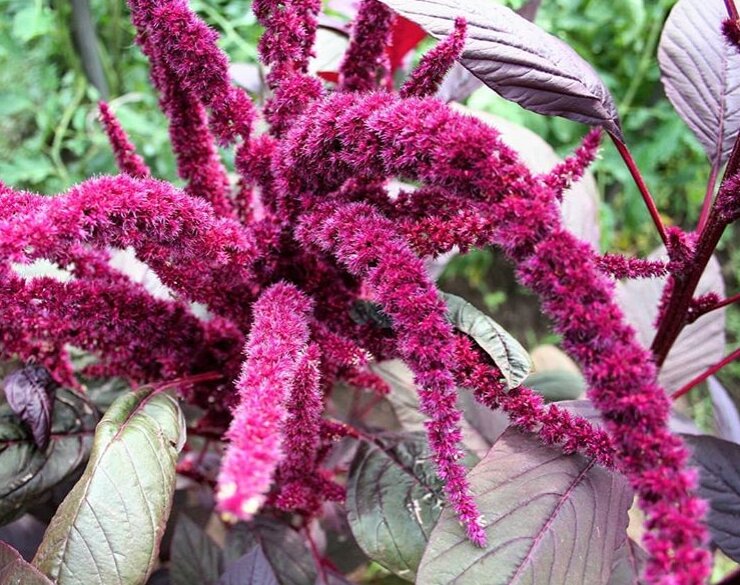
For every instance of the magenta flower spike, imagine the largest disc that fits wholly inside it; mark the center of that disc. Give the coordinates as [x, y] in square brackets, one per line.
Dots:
[425, 79]
[123, 149]
[369, 246]
[371, 32]
[274, 350]
[403, 138]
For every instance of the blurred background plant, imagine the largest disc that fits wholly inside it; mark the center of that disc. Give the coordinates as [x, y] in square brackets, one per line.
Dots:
[59, 57]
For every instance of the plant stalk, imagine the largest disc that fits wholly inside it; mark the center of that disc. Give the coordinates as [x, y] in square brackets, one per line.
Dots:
[640, 182]
[708, 372]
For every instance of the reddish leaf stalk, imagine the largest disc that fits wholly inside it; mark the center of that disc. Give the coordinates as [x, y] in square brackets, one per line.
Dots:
[705, 374]
[708, 197]
[640, 182]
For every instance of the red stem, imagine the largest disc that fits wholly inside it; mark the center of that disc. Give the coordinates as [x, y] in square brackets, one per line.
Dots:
[708, 197]
[318, 559]
[195, 379]
[704, 375]
[731, 9]
[640, 182]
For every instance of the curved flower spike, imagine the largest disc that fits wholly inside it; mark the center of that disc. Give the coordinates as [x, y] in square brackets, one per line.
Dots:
[277, 341]
[123, 149]
[425, 79]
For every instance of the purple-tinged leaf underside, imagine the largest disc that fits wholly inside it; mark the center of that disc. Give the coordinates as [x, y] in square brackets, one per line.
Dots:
[251, 569]
[519, 60]
[30, 393]
[14, 570]
[726, 417]
[549, 518]
[27, 472]
[719, 483]
[282, 550]
[628, 565]
[700, 345]
[701, 74]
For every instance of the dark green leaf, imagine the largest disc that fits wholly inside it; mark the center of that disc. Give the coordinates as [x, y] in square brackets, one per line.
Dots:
[557, 385]
[26, 473]
[282, 547]
[545, 514]
[195, 557]
[505, 351]
[108, 528]
[30, 393]
[16, 571]
[719, 471]
[394, 499]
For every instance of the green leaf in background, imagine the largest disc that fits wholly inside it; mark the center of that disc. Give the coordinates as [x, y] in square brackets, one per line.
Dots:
[547, 516]
[283, 550]
[26, 473]
[14, 570]
[108, 528]
[557, 385]
[195, 557]
[505, 351]
[394, 499]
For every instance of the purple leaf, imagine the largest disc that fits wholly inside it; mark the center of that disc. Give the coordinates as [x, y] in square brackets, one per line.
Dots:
[726, 418]
[251, 569]
[519, 60]
[701, 74]
[30, 393]
[547, 516]
[700, 345]
[628, 564]
[283, 550]
[393, 500]
[458, 85]
[719, 483]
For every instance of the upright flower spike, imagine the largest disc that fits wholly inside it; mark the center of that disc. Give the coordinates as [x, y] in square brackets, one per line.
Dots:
[277, 341]
[425, 79]
[195, 150]
[573, 168]
[171, 34]
[371, 248]
[123, 149]
[371, 33]
[286, 46]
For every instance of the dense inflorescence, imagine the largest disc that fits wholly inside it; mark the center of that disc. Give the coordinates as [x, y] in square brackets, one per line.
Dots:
[283, 260]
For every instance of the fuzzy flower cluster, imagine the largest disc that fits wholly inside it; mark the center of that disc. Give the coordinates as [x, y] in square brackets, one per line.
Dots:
[282, 260]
